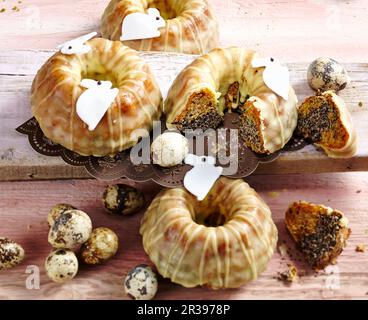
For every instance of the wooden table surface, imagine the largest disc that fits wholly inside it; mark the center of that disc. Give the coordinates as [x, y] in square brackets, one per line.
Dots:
[295, 31]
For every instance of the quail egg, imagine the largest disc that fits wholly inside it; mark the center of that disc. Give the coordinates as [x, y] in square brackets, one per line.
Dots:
[56, 211]
[121, 199]
[101, 246]
[61, 265]
[169, 149]
[327, 74]
[70, 229]
[141, 283]
[11, 253]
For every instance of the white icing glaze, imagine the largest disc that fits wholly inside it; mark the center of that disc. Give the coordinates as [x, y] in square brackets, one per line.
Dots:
[138, 25]
[169, 149]
[202, 177]
[95, 101]
[275, 76]
[77, 46]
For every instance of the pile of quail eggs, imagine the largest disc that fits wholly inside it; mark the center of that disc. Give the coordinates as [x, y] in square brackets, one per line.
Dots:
[74, 240]
[70, 231]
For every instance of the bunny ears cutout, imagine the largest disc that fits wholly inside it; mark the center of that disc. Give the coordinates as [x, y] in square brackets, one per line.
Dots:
[200, 179]
[77, 46]
[94, 102]
[275, 76]
[139, 25]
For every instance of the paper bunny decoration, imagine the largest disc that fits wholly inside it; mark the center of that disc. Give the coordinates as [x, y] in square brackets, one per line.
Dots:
[202, 177]
[275, 76]
[77, 46]
[95, 101]
[138, 25]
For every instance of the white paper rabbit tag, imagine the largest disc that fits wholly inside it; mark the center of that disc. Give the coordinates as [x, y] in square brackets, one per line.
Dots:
[275, 76]
[95, 101]
[202, 177]
[139, 25]
[77, 46]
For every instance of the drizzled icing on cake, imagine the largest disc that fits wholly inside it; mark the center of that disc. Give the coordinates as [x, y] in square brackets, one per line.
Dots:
[56, 89]
[191, 253]
[215, 72]
[190, 25]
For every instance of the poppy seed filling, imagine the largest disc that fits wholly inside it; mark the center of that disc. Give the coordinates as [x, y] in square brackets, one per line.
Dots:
[317, 245]
[317, 121]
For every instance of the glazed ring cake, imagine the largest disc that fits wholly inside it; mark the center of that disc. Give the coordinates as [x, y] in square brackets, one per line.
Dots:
[319, 231]
[56, 89]
[326, 121]
[221, 242]
[221, 81]
[190, 25]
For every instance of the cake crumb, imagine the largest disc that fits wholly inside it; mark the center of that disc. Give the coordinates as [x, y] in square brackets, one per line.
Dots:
[283, 250]
[288, 276]
[360, 247]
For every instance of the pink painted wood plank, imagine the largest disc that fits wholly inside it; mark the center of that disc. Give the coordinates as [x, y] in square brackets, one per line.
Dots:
[292, 30]
[24, 207]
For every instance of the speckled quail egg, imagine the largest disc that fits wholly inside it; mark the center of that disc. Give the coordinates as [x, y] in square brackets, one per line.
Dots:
[61, 265]
[141, 283]
[70, 229]
[121, 199]
[101, 246]
[11, 253]
[56, 211]
[327, 74]
[169, 149]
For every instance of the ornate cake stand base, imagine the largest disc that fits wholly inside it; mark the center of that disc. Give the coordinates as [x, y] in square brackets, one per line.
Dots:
[110, 168]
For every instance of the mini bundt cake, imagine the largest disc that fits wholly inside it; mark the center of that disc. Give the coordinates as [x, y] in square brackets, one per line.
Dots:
[326, 121]
[224, 79]
[320, 232]
[190, 25]
[56, 89]
[221, 242]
